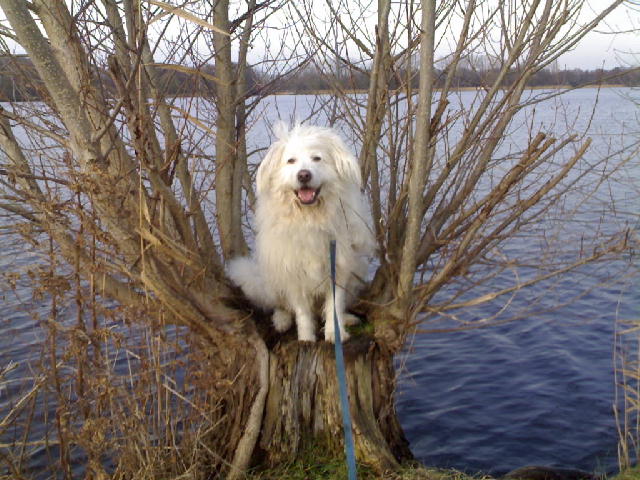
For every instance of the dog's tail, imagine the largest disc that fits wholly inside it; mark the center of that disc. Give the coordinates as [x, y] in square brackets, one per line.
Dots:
[245, 273]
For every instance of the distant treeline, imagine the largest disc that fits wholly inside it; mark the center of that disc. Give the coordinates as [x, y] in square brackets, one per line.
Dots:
[19, 80]
[310, 80]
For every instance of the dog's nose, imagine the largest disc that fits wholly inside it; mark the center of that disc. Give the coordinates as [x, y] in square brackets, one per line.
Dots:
[304, 176]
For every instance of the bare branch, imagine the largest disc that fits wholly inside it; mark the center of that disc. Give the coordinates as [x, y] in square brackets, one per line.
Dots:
[420, 157]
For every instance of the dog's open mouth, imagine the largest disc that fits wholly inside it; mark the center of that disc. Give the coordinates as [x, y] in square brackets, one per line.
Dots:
[307, 195]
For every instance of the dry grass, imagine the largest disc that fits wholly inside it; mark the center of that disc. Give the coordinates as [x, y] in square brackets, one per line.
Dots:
[629, 474]
[113, 393]
[315, 465]
[627, 405]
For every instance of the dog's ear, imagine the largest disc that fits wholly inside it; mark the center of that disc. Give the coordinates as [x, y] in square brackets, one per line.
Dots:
[346, 164]
[266, 167]
[280, 130]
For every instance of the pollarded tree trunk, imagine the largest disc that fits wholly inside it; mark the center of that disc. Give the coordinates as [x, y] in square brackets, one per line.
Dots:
[303, 403]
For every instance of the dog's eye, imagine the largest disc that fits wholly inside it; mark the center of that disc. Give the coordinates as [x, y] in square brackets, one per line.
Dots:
[291, 160]
[316, 158]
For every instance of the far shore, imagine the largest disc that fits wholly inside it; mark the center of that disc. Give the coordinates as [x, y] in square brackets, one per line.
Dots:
[350, 91]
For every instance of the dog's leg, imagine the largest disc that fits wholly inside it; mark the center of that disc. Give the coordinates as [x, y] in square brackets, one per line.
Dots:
[329, 331]
[305, 323]
[282, 320]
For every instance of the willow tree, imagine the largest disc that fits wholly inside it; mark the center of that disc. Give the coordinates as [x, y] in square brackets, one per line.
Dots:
[121, 178]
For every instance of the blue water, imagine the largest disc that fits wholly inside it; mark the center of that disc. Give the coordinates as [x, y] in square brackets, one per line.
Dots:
[536, 390]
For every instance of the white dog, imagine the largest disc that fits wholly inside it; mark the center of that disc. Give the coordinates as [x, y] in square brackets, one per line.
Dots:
[308, 192]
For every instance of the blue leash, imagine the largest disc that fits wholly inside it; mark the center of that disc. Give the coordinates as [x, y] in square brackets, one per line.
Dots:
[342, 376]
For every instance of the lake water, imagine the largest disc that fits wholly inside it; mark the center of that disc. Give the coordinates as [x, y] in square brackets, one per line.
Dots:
[535, 391]
[538, 391]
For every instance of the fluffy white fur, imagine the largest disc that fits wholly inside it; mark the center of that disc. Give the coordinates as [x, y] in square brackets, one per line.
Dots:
[308, 192]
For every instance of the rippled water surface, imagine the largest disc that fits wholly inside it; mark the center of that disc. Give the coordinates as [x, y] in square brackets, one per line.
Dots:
[539, 390]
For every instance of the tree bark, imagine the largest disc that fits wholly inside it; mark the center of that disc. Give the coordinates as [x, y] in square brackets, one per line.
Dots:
[420, 157]
[227, 206]
[303, 405]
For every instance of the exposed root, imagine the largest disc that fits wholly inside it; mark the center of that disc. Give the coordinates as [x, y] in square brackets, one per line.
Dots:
[247, 443]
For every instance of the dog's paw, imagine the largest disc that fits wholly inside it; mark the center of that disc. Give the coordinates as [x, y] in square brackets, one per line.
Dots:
[306, 328]
[282, 320]
[306, 337]
[330, 335]
[349, 319]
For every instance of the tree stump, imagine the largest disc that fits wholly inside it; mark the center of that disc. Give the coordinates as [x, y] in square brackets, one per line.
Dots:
[303, 404]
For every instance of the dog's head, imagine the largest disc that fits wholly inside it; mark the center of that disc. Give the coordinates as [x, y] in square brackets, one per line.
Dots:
[307, 162]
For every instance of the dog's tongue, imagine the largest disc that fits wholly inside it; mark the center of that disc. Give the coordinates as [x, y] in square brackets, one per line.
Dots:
[307, 195]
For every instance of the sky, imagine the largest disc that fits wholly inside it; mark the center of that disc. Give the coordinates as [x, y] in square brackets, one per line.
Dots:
[600, 49]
